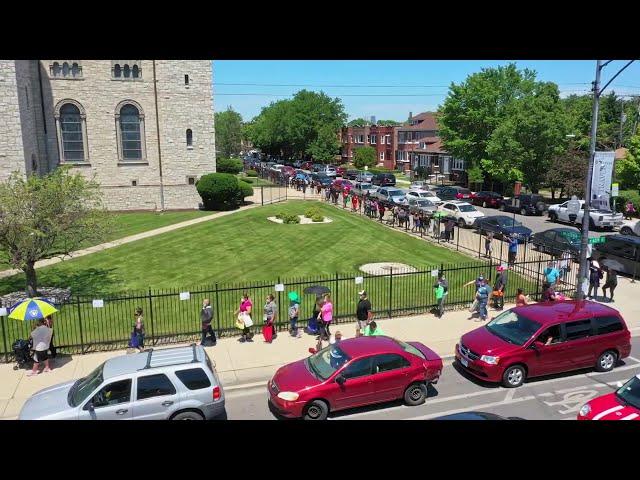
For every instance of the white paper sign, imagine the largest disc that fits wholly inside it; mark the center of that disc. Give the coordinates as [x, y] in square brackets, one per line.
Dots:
[585, 287]
[3, 312]
[98, 303]
[359, 280]
[279, 287]
[185, 295]
[434, 273]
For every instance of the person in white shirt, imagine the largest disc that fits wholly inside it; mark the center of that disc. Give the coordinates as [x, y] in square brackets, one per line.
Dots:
[41, 336]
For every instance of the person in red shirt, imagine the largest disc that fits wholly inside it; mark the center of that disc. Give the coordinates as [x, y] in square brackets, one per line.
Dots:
[354, 203]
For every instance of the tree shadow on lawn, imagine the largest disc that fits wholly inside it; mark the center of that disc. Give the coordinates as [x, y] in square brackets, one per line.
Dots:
[88, 281]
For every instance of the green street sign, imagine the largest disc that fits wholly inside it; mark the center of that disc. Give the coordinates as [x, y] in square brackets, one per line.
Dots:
[594, 241]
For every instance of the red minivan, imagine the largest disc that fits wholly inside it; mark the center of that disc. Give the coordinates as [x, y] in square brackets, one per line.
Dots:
[543, 339]
[352, 373]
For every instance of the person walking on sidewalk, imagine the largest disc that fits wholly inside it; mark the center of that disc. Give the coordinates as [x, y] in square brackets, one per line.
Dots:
[270, 314]
[244, 315]
[325, 317]
[363, 313]
[41, 336]
[483, 298]
[48, 321]
[611, 283]
[138, 328]
[488, 245]
[439, 293]
[206, 315]
[294, 312]
[595, 275]
[513, 249]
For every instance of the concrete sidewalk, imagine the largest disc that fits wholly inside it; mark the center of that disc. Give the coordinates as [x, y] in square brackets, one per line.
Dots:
[242, 365]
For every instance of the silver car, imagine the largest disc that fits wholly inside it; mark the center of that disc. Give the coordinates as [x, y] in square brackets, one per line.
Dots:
[363, 188]
[170, 384]
[421, 204]
[392, 194]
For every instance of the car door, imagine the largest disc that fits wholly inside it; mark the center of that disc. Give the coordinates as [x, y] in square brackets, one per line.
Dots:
[552, 358]
[391, 375]
[357, 388]
[563, 214]
[156, 397]
[548, 240]
[111, 402]
[580, 338]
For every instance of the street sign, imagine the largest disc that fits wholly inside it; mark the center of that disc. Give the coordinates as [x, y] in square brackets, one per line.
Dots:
[594, 241]
[615, 189]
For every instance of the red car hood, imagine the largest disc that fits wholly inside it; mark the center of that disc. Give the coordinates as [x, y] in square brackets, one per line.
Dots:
[483, 342]
[294, 377]
[607, 407]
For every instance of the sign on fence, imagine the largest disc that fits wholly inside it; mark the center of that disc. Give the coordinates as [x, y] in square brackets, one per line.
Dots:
[185, 295]
[434, 273]
[98, 303]
[3, 312]
[359, 280]
[279, 287]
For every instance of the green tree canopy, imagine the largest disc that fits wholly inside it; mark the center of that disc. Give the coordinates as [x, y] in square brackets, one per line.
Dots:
[365, 156]
[358, 122]
[229, 132]
[628, 168]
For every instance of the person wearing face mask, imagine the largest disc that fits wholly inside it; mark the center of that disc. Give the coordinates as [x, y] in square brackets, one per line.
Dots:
[206, 315]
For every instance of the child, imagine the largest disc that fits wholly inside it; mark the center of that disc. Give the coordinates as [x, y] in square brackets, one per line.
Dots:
[521, 299]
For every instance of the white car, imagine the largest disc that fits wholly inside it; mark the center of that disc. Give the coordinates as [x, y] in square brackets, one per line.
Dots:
[423, 194]
[391, 194]
[599, 218]
[361, 188]
[464, 213]
[630, 227]
[277, 167]
[328, 171]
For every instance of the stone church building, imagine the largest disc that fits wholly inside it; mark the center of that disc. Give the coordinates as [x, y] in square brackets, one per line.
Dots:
[143, 129]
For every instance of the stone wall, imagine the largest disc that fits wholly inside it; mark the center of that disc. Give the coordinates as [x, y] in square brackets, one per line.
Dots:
[11, 149]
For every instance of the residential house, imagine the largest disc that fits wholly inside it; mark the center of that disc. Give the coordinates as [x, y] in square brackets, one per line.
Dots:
[376, 136]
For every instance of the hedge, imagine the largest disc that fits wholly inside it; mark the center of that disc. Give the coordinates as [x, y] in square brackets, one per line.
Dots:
[229, 165]
[625, 196]
[246, 190]
[220, 191]
[252, 173]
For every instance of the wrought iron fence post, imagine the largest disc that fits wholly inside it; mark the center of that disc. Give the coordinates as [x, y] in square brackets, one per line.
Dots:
[479, 241]
[538, 282]
[335, 301]
[217, 310]
[262, 195]
[80, 325]
[4, 338]
[458, 239]
[153, 337]
[390, 290]
[279, 305]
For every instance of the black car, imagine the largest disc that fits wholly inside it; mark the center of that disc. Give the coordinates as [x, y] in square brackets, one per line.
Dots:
[317, 178]
[453, 193]
[558, 240]
[476, 416]
[351, 174]
[384, 179]
[524, 204]
[503, 225]
[620, 252]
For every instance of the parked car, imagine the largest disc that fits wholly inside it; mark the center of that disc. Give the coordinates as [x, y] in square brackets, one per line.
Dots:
[297, 163]
[502, 225]
[384, 179]
[453, 193]
[391, 194]
[475, 416]
[289, 171]
[597, 218]
[340, 171]
[557, 240]
[353, 175]
[487, 199]
[323, 180]
[328, 170]
[353, 373]
[360, 188]
[464, 213]
[424, 205]
[177, 383]
[300, 175]
[524, 204]
[630, 227]
[419, 185]
[318, 167]
[623, 404]
[423, 194]
[619, 252]
[339, 184]
[364, 177]
[277, 167]
[543, 339]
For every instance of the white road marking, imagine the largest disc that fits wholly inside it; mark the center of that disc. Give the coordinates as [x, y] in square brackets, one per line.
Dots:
[574, 400]
[607, 412]
[510, 395]
[473, 407]
[630, 417]
[246, 385]
[634, 359]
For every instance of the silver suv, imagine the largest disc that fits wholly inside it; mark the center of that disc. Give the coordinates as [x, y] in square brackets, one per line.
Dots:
[170, 384]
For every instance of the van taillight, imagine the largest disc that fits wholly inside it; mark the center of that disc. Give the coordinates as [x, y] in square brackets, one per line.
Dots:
[216, 393]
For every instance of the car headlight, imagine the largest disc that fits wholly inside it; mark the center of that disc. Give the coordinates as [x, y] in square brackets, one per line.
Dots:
[585, 410]
[288, 396]
[490, 360]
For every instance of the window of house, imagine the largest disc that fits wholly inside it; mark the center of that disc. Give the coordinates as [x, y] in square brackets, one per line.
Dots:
[374, 139]
[130, 132]
[191, 180]
[189, 138]
[381, 155]
[126, 71]
[117, 70]
[579, 329]
[155, 386]
[75, 70]
[368, 138]
[71, 130]
[56, 70]
[135, 71]
[383, 139]
[65, 69]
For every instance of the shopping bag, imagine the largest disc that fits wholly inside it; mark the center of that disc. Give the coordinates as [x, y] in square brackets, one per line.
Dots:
[267, 333]
[248, 322]
[133, 342]
[474, 306]
[240, 321]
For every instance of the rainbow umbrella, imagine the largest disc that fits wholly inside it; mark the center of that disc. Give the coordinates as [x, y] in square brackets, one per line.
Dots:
[32, 309]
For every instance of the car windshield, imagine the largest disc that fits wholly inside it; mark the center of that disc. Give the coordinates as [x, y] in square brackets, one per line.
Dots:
[513, 328]
[395, 193]
[424, 203]
[324, 363]
[410, 349]
[467, 208]
[85, 386]
[630, 392]
[571, 237]
[509, 222]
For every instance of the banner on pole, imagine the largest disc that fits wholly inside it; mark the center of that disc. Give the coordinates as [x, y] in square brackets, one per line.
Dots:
[601, 180]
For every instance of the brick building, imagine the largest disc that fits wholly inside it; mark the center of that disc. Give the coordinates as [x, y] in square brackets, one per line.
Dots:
[379, 137]
[143, 129]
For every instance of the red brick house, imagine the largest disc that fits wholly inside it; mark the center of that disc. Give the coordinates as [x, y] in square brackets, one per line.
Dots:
[379, 137]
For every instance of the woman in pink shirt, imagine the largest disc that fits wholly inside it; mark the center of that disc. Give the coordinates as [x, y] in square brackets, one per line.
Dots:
[245, 307]
[326, 315]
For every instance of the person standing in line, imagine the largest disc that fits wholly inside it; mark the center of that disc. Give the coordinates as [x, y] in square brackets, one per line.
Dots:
[138, 328]
[483, 297]
[245, 312]
[451, 223]
[513, 248]
[48, 321]
[325, 317]
[381, 210]
[499, 287]
[595, 275]
[611, 283]
[363, 312]
[41, 336]
[354, 203]
[439, 293]
[270, 314]
[294, 312]
[488, 245]
[565, 264]
[206, 315]
[327, 193]
[629, 210]
[475, 306]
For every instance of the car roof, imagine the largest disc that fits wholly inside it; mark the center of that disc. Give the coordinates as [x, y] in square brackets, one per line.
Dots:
[471, 416]
[549, 312]
[562, 229]
[127, 364]
[625, 238]
[355, 347]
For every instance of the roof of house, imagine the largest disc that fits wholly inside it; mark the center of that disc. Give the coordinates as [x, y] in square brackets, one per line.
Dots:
[432, 147]
[427, 121]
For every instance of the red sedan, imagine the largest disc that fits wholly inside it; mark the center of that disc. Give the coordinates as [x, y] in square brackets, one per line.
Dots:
[290, 171]
[340, 183]
[624, 404]
[352, 373]
[340, 171]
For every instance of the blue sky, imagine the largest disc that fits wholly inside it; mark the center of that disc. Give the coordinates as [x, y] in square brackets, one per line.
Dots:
[388, 89]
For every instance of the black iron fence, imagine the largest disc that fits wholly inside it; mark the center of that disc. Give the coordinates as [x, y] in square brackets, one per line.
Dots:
[172, 315]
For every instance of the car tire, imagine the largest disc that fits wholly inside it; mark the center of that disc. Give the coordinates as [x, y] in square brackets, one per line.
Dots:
[514, 376]
[316, 410]
[502, 208]
[553, 217]
[415, 394]
[484, 204]
[626, 231]
[607, 361]
[461, 223]
[188, 416]
[523, 212]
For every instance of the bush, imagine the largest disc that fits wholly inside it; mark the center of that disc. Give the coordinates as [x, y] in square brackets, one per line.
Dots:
[384, 170]
[311, 211]
[229, 165]
[290, 218]
[220, 191]
[245, 189]
[252, 173]
[317, 218]
[625, 196]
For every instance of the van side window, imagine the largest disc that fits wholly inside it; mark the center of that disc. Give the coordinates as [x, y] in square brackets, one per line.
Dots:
[607, 325]
[193, 378]
[579, 329]
[155, 386]
[550, 336]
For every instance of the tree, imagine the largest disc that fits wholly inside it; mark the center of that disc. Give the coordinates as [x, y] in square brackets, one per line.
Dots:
[48, 216]
[229, 165]
[388, 123]
[358, 122]
[325, 147]
[365, 157]
[475, 176]
[628, 168]
[229, 133]
[532, 131]
[567, 173]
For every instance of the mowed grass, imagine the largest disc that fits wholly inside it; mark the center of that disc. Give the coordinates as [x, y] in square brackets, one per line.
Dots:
[242, 247]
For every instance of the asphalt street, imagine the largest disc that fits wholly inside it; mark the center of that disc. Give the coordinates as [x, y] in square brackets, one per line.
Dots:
[556, 397]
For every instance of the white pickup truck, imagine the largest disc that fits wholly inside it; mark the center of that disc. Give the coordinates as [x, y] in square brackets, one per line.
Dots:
[599, 218]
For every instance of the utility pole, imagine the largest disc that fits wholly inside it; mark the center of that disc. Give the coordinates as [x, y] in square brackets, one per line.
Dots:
[622, 120]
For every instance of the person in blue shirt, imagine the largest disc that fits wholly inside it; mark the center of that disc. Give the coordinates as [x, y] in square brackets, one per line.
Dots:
[513, 248]
[482, 295]
[551, 274]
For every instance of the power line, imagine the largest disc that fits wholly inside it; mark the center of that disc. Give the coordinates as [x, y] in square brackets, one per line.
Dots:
[350, 86]
[337, 94]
